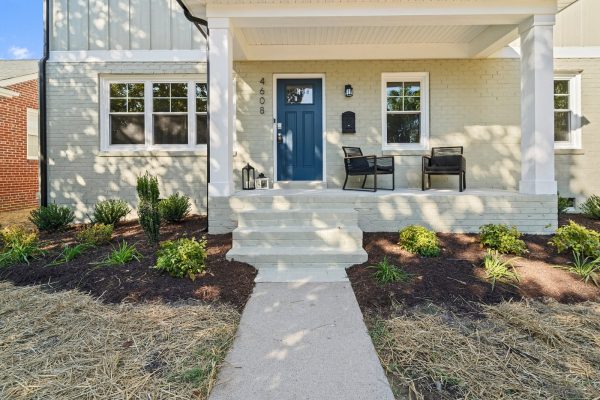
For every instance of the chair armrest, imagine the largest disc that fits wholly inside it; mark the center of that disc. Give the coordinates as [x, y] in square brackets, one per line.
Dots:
[385, 161]
[425, 162]
[360, 163]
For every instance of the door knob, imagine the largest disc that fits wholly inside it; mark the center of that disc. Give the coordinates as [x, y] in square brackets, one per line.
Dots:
[279, 138]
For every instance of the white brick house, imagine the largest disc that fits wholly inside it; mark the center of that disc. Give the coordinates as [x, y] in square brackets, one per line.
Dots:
[128, 91]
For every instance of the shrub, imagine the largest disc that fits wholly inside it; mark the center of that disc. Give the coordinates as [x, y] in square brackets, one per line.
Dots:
[498, 270]
[121, 255]
[182, 257]
[591, 207]
[563, 204]
[18, 246]
[95, 235]
[419, 240]
[175, 207]
[578, 239]
[149, 213]
[52, 218]
[110, 212]
[587, 268]
[388, 273]
[504, 239]
[69, 253]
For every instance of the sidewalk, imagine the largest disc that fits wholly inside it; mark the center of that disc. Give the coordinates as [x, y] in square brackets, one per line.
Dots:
[302, 341]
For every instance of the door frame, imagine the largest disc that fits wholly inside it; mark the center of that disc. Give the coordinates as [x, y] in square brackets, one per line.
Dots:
[321, 76]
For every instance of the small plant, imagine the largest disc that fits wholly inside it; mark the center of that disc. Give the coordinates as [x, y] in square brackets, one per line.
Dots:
[18, 246]
[591, 207]
[95, 235]
[121, 255]
[148, 210]
[498, 270]
[504, 239]
[182, 257]
[52, 218]
[389, 273]
[578, 239]
[69, 253]
[587, 268]
[419, 240]
[174, 208]
[110, 212]
[564, 203]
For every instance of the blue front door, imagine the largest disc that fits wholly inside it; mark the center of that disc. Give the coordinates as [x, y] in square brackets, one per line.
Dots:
[299, 130]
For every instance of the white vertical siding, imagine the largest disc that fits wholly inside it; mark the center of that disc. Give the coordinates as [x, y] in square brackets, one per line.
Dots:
[121, 25]
[577, 25]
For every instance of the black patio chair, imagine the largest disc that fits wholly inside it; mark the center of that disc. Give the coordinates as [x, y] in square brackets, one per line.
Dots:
[357, 164]
[445, 161]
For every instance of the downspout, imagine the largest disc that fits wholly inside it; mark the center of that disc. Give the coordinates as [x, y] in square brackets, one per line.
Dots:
[42, 106]
[202, 26]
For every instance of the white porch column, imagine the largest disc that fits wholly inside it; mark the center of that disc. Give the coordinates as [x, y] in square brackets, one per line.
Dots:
[537, 105]
[221, 109]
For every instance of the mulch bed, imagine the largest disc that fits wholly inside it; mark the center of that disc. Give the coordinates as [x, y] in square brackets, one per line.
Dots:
[224, 281]
[455, 280]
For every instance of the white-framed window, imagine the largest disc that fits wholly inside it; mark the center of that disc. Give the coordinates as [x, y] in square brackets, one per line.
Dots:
[153, 113]
[405, 110]
[567, 111]
[33, 139]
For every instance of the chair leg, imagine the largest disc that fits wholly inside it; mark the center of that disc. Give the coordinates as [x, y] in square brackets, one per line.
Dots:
[423, 181]
[345, 182]
[428, 181]
[460, 182]
[364, 181]
[375, 182]
[464, 179]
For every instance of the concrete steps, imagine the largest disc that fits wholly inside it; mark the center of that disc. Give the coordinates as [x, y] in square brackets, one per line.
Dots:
[308, 245]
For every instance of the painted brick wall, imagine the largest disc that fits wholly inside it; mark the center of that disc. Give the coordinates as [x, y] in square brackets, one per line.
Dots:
[18, 175]
[79, 173]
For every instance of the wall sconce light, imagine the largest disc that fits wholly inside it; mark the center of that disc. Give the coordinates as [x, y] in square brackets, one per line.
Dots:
[348, 91]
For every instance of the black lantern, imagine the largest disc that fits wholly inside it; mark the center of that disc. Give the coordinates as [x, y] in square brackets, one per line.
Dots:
[247, 181]
[348, 91]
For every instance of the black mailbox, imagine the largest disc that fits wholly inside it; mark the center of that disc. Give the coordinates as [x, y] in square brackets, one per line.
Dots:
[348, 122]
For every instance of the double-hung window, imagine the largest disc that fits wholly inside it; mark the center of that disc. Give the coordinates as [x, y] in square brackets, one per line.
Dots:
[405, 103]
[153, 114]
[567, 111]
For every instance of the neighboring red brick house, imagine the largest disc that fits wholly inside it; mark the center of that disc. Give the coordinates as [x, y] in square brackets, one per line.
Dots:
[19, 178]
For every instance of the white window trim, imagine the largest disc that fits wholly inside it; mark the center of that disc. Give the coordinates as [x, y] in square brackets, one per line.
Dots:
[33, 113]
[105, 145]
[574, 79]
[422, 77]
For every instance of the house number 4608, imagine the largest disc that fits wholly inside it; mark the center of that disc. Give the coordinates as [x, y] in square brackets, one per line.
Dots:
[261, 99]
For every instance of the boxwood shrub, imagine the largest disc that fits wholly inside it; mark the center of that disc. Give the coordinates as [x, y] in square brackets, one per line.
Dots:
[419, 240]
[578, 239]
[182, 257]
[503, 238]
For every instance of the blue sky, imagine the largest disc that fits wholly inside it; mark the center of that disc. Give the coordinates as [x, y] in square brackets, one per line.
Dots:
[21, 29]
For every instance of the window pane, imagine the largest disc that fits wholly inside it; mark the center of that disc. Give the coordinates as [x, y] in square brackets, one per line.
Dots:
[118, 90]
[394, 104]
[201, 90]
[394, 89]
[561, 102]
[162, 105]
[404, 128]
[118, 105]
[32, 146]
[136, 90]
[179, 90]
[412, 88]
[160, 90]
[201, 129]
[299, 94]
[170, 129]
[412, 104]
[562, 126]
[179, 105]
[201, 105]
[135, 105]
[561, 87]
[126, 129]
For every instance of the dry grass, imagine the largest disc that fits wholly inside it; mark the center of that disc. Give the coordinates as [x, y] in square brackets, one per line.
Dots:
[67, 345]
[524, 350]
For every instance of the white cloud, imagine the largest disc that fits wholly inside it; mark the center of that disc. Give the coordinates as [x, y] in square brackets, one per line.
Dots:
[19, 52]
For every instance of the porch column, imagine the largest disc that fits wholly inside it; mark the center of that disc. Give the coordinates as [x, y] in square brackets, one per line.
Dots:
[537, 105]
[220, 109]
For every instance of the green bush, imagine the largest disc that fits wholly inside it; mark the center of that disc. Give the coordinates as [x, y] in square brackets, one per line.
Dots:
[69, 253]
[18, 246]
[121, 255]
[388, 273]
[504, 238]
[419, 240]
[110, 212]
[52, 218]
[148, 210]
[563, 204]
[591, 207]
[498, 270]
[175, 207]
[587, 268]
[578, 239]
[95, 235]
[182, 257]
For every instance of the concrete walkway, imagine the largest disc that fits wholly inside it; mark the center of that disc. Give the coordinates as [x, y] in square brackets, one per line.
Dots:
[302, 341]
